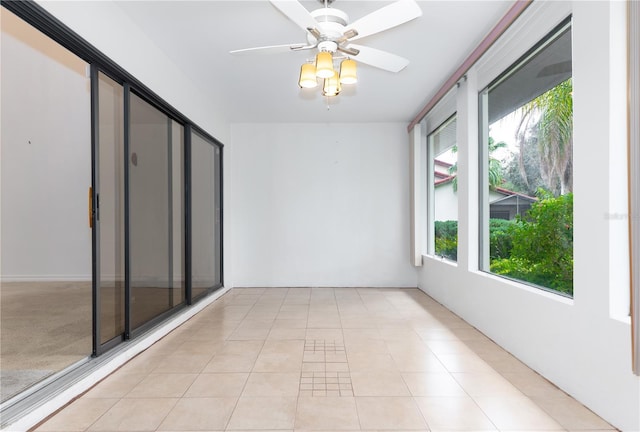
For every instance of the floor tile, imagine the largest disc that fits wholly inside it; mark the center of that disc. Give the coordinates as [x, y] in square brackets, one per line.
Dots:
[292, 314]
[230, 363]
[278, 362]
[327, 414]
[516, 413]
[293, 347]
[251, 323]
[217, 385]
[249, 334]
[244, 348]
[322, 333]
[183, 363]
[432, 384]
[378, 383]
[264, 413]
[115, 386]
[199, 414]
[142, 364]
[533, 384]
[416, 362]
[287, 334]
[162, 385]
[571, 414]
[78, 416]
[135, 415]
[389, 413]
[366, 346]
[454, 413]
[289, 324]
[464, 363]
[272, 384]
[325, 360]
[486, 384]
[196, 347]
[364, 362]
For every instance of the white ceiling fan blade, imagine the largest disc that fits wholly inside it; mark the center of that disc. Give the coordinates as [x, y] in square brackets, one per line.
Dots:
[272, 49]
[296, 13]
[380, 59]
[385, 18]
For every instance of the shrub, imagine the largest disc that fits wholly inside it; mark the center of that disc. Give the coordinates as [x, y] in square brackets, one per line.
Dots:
[446, 239]
[500, 242]
[542, 251]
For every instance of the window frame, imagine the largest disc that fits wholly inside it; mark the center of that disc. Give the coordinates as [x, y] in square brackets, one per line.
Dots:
[633, 111]
[564, 25]
[430, 187]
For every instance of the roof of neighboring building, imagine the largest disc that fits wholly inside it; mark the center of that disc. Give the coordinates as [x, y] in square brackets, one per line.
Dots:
[441, 178]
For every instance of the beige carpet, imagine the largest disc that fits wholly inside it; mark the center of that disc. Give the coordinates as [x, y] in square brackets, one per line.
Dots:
[44, 327]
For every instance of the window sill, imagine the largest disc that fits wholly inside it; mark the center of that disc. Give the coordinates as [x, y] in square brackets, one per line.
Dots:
[528, 288]
[434, 258]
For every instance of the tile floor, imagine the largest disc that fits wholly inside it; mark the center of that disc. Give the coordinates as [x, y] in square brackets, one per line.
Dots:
[324, 359]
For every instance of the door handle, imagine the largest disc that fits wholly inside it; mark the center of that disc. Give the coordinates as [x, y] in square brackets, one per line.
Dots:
[90, 207]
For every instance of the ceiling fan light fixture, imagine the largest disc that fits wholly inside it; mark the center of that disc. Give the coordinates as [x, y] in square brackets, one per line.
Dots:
[308, 77]
[348, 72]
[324, 65]
[331, 85]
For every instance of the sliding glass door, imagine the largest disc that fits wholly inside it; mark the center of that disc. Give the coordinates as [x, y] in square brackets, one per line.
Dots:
[137, 212]
[108, 209]
[155, 212]
[75, 284]
[206, 215]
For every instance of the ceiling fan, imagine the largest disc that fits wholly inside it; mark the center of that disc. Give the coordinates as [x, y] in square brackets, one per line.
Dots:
[329, 30]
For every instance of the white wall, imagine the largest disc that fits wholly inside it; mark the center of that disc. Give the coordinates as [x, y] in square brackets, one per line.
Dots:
[45, 158]
[108, 28]
[319, 205]
[581, 345]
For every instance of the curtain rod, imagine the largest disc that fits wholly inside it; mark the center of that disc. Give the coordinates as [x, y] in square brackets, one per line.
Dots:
[512, 14]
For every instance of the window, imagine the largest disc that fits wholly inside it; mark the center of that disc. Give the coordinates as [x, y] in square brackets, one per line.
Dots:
[443, 186]
[526, 149]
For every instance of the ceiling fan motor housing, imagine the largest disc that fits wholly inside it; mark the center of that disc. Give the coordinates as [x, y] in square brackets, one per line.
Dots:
[331, 24]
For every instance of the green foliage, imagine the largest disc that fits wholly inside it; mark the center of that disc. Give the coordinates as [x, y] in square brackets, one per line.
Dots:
[496, 177]
[522, 171]
[542, 251]
[446, 239]
[546, 123]
[500, 242]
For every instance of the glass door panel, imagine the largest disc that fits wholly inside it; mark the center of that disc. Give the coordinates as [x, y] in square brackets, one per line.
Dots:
[109, 198]
[206, 215]
[153, 224]
[45, 174]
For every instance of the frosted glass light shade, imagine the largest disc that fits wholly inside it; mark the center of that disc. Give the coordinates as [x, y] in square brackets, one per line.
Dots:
[308, 76]
[331, 85]
[348, 72]
[324, 65]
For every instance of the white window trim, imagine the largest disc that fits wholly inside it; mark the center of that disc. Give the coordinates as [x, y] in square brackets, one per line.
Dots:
[634, 173]
[443, 110]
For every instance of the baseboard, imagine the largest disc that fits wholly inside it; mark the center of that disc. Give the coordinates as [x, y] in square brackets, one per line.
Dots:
[45, 278]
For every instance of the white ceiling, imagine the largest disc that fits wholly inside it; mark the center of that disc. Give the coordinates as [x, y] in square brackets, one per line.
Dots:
[198, 35]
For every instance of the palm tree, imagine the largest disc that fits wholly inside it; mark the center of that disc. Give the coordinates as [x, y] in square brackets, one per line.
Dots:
[495, 166]
[550, 118]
